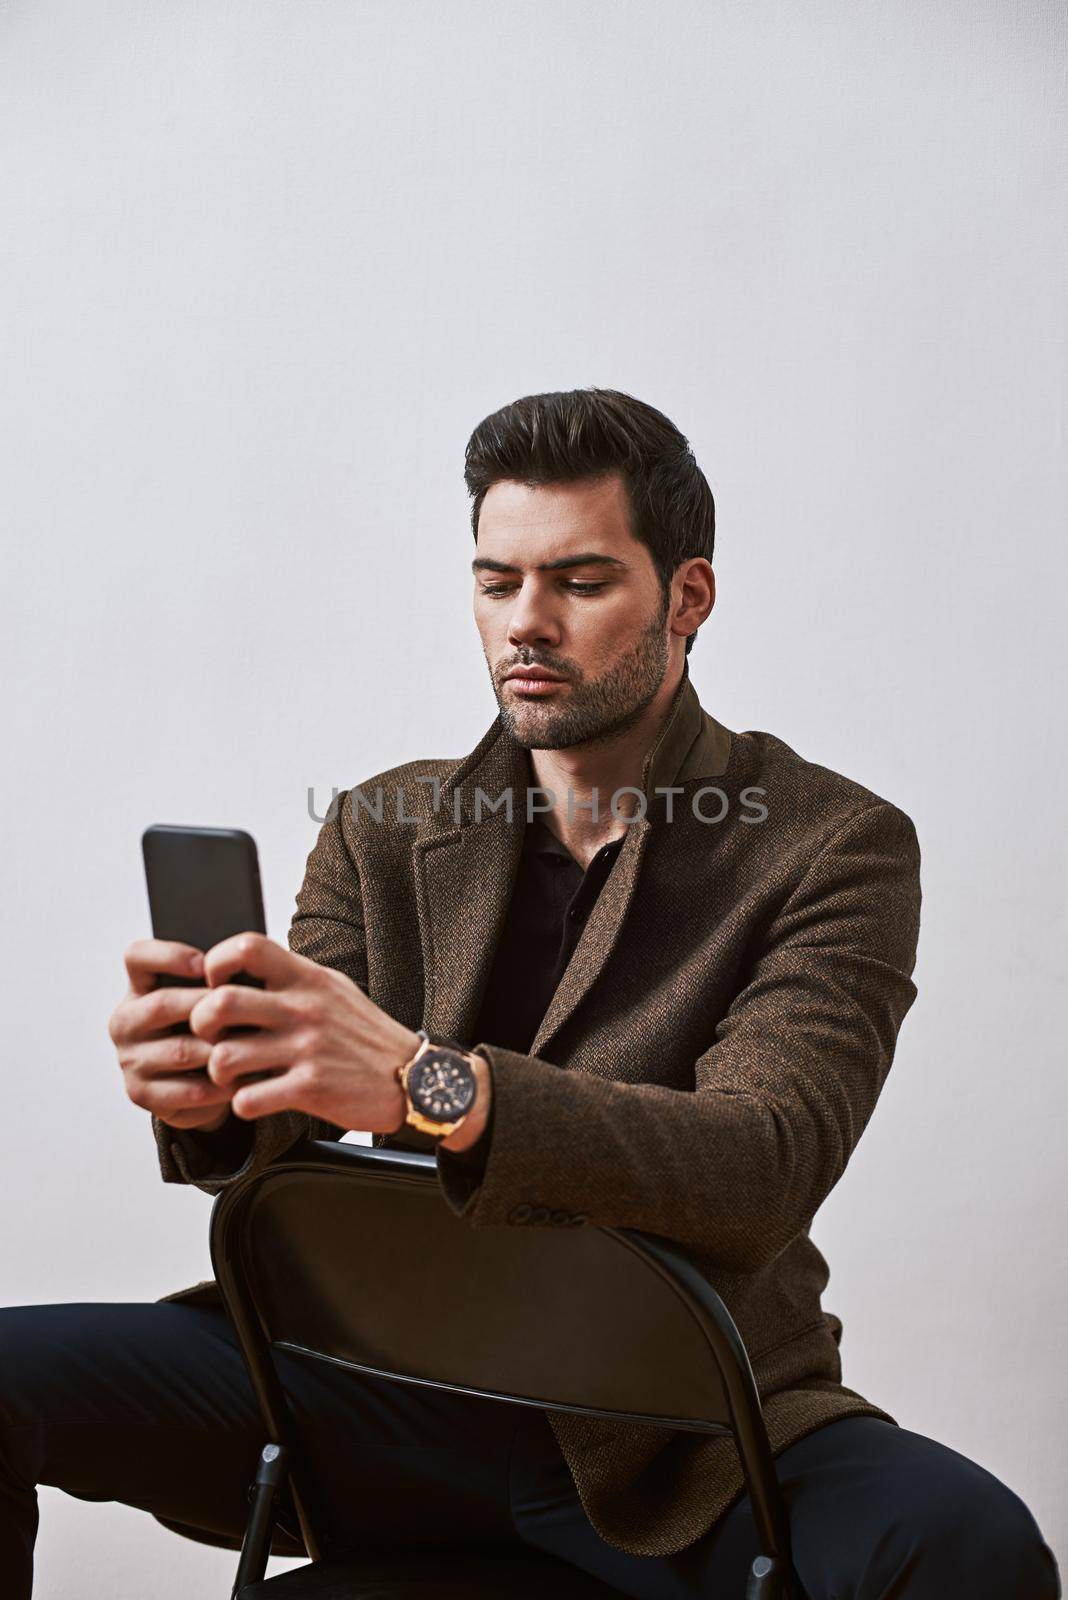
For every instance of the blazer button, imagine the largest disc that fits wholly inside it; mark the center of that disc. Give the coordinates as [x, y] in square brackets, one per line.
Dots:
[520, 1214]
[560, 1219]
[577, 1219]
[539, 1216]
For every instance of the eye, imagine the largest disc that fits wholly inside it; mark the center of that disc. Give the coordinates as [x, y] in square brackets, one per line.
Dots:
[574, 585]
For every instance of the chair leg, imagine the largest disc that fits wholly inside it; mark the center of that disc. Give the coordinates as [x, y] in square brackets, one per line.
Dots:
[766, 1580]
[256, 1547]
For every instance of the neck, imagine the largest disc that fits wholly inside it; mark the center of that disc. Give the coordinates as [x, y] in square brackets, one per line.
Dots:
[600, 768]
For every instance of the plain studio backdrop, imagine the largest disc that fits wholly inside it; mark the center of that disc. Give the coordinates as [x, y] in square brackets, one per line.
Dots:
[263, 267]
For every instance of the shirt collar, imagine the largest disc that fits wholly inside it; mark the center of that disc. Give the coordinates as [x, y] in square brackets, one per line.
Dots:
[539, 838]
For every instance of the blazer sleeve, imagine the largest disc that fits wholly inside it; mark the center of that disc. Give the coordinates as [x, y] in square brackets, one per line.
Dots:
[327, 927]
[735, 1168]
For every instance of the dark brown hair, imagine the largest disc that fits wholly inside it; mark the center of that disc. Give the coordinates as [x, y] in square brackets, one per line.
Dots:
[588, 433]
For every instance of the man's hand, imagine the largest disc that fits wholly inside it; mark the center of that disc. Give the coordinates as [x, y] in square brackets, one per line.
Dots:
[331, 1052]
[165, 1072]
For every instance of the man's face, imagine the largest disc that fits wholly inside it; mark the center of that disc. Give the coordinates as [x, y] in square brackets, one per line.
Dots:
[561, 583]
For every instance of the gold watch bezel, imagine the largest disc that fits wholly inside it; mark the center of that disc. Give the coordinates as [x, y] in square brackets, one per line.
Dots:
[414, 1118]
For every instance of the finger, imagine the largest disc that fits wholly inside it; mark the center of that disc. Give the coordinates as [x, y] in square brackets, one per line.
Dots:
[145, 957]
[255, 954]
[233, 1058]
[148, 1015]
[165, 1057]
[235, 1006]
[280, 1093]
[165, 1097]
[195, 1120]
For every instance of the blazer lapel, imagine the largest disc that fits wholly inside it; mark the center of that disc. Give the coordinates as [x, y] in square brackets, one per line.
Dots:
[465, 870]
[598, 937]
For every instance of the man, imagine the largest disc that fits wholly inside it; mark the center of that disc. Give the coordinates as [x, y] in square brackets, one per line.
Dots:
[664, 965]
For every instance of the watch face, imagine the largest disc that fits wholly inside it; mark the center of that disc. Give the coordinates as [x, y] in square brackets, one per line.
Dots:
[442, 1085]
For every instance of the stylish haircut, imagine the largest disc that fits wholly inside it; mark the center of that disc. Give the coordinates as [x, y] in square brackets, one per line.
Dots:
[589, 433]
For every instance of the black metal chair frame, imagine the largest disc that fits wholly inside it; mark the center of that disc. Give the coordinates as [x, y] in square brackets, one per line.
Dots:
[771, 1577]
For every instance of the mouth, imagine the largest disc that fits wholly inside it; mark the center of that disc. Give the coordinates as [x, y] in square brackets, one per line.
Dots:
[533, 680]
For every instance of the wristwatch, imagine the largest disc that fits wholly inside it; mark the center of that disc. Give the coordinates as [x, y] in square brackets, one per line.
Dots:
[439, 1086]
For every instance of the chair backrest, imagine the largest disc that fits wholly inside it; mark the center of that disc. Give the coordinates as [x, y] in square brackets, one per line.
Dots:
[352, 1254]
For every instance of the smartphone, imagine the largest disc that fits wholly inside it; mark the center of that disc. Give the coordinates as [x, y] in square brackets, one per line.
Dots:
[203, 886]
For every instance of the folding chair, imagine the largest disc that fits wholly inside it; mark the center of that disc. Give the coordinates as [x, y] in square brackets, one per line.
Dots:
[313, 1254]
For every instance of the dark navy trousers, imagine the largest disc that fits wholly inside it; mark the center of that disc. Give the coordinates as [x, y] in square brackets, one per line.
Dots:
[150, 1405]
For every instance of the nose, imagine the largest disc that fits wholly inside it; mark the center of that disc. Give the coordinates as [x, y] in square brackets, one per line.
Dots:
[530, 619]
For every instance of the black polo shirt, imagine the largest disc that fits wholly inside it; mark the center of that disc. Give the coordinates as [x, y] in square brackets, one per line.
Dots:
[551, 902]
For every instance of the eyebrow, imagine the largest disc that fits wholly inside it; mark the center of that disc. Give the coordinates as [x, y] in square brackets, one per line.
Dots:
[585, 558]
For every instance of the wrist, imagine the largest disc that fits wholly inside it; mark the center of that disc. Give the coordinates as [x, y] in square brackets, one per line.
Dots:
[408, 1048]
[474, 1123]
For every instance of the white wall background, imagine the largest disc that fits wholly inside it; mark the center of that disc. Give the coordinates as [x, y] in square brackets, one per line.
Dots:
[263, 268]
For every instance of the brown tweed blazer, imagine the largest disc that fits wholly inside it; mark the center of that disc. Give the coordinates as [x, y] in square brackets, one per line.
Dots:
[704, 1070]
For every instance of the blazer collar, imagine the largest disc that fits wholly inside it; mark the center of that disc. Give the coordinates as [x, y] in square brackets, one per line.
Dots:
[467, 851]
[690, 744]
